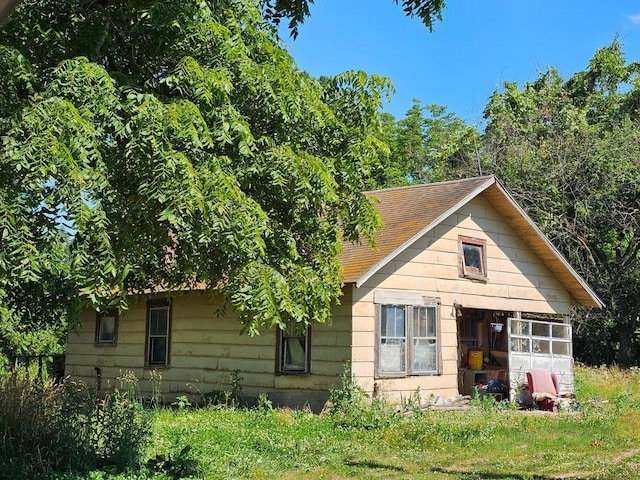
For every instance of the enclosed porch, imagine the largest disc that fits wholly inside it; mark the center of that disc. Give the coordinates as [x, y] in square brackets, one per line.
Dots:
[496, 349]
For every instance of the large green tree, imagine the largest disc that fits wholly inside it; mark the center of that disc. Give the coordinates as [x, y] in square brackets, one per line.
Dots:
[429, 144]
[570, 152]
[296, 11]
[158, 144]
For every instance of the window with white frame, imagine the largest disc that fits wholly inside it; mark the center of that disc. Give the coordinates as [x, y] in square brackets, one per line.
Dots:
[158, 318]
[106, 328]
[293, 350]
[539, 337]
[407, 340]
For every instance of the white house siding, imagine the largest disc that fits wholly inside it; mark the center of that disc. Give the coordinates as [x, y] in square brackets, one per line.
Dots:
[204, 349]
[517, 281]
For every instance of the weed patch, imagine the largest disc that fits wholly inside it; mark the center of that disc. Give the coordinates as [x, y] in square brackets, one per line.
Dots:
[46, 428]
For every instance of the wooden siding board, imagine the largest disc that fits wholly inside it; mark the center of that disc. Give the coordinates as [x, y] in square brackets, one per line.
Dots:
[206, 349]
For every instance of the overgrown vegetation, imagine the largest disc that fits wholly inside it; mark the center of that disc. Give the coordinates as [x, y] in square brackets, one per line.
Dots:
[47, 428]
[350, 407]
[486, 441]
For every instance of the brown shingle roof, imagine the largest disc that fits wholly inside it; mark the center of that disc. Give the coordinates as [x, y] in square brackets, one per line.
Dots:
[405, 212]
[409, 212]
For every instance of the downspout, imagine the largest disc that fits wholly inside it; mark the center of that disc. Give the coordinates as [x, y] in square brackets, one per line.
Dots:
[98, 378]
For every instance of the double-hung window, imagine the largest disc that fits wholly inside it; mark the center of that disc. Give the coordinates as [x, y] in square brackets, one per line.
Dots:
[158, 330]
[424, 337]
[407, 340]
[293, 350]
[106, 328]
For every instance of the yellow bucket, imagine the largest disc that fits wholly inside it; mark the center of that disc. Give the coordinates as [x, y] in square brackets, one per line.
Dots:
[475, 359]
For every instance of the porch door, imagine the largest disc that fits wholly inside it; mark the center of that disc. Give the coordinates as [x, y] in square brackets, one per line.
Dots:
[538, 345]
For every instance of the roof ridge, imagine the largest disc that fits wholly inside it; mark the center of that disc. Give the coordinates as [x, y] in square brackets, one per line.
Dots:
[422, 185]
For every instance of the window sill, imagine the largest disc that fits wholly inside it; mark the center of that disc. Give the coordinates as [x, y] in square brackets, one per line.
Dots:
[406, 375]
[476, 278]
[294, 374]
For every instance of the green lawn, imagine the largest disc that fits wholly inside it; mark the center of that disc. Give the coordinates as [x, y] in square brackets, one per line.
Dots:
[601, 441]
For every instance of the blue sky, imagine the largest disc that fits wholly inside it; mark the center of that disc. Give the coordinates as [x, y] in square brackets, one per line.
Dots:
[478, 45]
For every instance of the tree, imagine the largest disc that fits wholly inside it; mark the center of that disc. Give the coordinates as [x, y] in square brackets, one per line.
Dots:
[429, 144]
[160, 145]
[570, 152]
[429, 11]
[297, 10]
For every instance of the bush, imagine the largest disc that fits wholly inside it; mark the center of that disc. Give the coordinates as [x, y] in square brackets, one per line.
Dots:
[351, 407]
[46, 428]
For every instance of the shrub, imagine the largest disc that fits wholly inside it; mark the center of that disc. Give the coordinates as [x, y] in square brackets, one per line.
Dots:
[47, 428]
[180, 464]
[351, 407]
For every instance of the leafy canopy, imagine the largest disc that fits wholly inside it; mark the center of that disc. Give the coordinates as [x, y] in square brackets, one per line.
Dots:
[429, 11]
[157, 144]
[570, 151]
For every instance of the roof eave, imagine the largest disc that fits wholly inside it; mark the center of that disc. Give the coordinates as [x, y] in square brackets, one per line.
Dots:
[595, 301]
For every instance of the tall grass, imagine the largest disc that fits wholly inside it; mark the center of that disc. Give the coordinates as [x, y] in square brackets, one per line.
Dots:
[363, 439]
[47, 428]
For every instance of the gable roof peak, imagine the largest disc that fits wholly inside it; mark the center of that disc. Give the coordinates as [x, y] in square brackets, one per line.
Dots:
[409, 212]
[480, 179]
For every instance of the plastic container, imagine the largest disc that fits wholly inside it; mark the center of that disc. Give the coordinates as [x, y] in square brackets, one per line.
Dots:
[474, 359]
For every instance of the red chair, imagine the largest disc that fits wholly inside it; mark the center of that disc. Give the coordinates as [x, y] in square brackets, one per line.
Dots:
[544, 389]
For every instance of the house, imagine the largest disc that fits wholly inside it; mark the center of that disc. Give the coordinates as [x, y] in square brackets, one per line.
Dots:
[462, 288]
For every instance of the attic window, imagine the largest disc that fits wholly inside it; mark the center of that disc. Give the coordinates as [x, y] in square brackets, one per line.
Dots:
[472, 258]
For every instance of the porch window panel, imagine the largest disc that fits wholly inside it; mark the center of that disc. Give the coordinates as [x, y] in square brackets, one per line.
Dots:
[520, 345]
[520, 327]
[540, 329]
[560, 331]
[540, 346]
[561, 348]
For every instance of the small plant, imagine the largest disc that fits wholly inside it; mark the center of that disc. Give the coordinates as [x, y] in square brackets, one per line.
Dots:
[129, 384]
[351, 406]
[235, 390]
[263, 403]
[181, 464]
[121, 428]
[182, 402]
[155, 379]
[484, 402]
[48, 428]
[349, 392]
[231, 398]
[413, 403]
